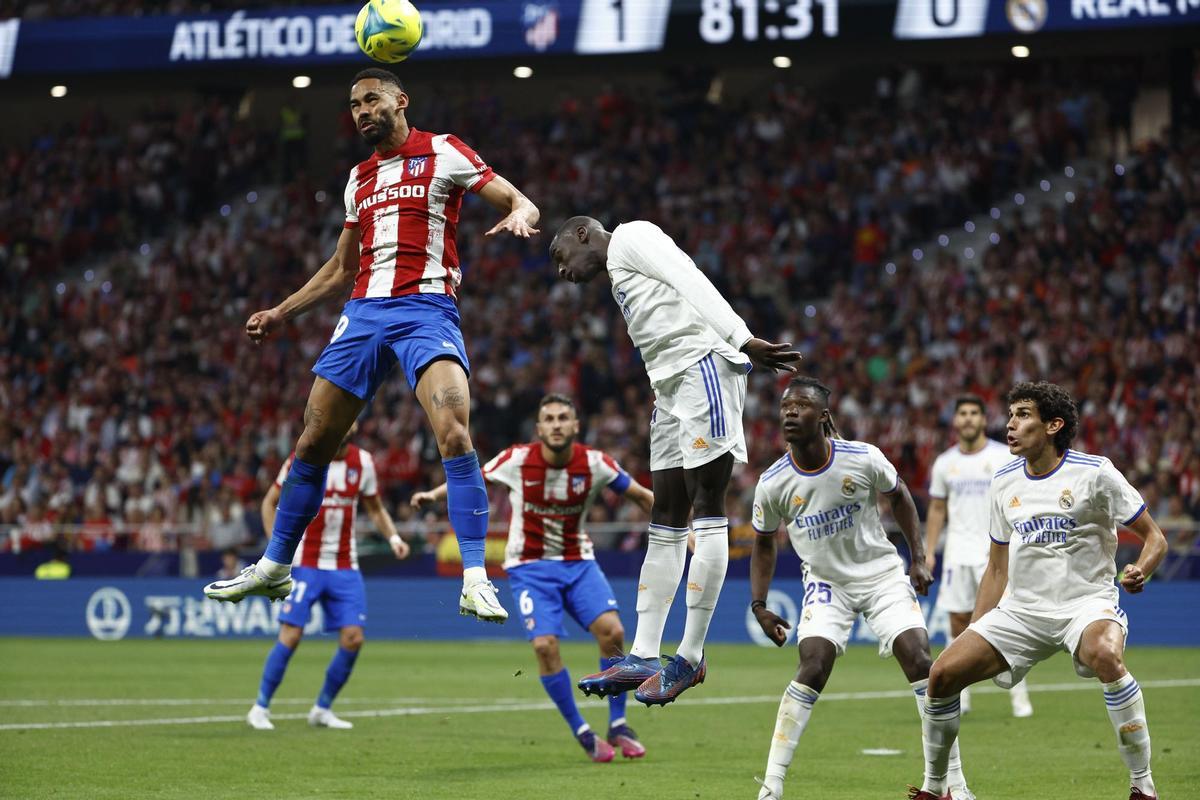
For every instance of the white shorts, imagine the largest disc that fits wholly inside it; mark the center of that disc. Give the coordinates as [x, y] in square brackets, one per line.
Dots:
[1025, 639]
[888, 604]
[959, 585]
[698, 415]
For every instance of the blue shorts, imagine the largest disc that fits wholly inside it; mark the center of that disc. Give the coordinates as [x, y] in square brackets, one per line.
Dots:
[544, 588]
[376, 332]
[341, 593]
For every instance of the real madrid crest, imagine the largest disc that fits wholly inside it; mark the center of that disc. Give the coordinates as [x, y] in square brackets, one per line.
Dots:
[848, 487]
[1066, 500]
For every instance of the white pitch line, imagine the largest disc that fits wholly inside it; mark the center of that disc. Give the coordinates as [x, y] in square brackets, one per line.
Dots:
[525, 705]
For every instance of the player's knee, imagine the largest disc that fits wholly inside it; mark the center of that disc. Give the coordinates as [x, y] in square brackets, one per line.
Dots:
[612, 638]
[352, 639]
[546, 649]
[1107, 663]
[454, 440]
[318, 445]
[813, 674]
[290, 635]
[942, 680]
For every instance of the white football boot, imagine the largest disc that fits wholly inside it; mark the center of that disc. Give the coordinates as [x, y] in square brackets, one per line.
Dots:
[479, 600]
[249, 582]
[259, 718]
[324, 718]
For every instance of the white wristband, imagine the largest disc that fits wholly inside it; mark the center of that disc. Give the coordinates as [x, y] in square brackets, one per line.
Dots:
[395, 540]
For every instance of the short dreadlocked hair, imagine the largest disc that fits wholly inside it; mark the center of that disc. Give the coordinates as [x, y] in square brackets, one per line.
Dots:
[808, 382]
[822, 391]
[1053, 402]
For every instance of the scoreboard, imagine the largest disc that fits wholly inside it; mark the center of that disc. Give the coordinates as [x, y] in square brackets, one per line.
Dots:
[303, 35]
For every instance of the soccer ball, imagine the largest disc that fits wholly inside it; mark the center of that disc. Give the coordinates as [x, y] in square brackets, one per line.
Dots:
[388, 30]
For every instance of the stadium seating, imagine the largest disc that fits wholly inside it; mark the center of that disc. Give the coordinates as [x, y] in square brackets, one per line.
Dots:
[130, 395]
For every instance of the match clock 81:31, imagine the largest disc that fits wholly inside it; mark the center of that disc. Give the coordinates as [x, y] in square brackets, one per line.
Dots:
[723, 21]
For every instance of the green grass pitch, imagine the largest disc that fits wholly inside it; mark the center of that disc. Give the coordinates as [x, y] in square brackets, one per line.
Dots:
[164, 719]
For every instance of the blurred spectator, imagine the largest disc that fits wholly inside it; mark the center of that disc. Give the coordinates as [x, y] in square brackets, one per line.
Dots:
[57, 568]
[231, 565]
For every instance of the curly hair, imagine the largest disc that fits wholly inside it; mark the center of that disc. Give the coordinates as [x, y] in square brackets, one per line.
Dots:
[1053, 402]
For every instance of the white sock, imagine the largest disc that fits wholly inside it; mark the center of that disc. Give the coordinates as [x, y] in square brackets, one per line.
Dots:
[1128, 715]
[474, 575]
[954, 772]
[666, 550]
[1019, 694]
[939, 730]
[706, 576]
[794, 710]
[272, 569]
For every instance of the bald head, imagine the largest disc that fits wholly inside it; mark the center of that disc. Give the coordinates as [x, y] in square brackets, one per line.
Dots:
[572, 226]
[579, 249]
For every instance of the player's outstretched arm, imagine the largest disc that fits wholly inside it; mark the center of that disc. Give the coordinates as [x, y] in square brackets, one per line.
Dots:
[384, 524]
[269, 502]
[520, 214]
[434, 495]
[640, 496]
[1154, 548]
[762, 570]
[905, 512]
[935, 520]
[993, 582]
[333, 279]
[772, 356]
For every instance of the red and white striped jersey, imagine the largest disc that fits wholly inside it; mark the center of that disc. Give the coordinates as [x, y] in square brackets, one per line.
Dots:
[405, 204]
[328, 541]
[549, 504]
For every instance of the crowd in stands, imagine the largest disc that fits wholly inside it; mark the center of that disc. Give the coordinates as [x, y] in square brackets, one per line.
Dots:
[135, 400]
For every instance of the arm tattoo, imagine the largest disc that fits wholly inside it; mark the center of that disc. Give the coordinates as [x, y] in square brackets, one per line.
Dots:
[449, 398]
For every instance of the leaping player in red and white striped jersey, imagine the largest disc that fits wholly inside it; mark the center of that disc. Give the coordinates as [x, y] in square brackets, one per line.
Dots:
[326, 572]
[552, 484]
[398, 258]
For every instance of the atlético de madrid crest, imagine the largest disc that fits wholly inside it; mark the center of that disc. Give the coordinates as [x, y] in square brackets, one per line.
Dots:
[416, 166]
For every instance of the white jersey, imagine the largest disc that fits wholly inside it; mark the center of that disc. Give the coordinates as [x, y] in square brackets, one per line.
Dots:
[832, 514]
[674, 314]
[1061, 528]
[962, 480]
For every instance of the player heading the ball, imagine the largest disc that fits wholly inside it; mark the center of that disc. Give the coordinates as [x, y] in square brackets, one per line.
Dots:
[398, 258]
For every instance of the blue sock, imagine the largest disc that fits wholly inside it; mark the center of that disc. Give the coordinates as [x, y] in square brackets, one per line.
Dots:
[336, 675]
[559, 687]
[300, 500]
[467, 506]
[277, 661]
[616, 702]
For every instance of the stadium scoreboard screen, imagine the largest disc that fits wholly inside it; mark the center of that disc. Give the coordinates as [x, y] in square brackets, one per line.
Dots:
[314, 35]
